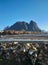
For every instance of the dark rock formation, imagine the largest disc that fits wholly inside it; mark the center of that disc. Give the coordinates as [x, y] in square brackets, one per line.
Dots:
[20, 26]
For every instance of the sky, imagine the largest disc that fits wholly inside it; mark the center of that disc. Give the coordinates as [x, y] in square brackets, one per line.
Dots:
[12, 11]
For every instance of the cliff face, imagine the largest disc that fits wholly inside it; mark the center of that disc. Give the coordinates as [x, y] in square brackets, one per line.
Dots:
[19, 26]
[33, 26]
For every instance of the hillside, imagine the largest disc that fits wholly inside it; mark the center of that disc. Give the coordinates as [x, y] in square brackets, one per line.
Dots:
[22, 25]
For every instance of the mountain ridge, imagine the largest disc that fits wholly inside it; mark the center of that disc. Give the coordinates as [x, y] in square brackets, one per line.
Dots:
[22, 25]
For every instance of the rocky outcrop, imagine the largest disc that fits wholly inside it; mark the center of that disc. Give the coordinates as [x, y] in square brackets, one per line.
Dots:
[19, 26]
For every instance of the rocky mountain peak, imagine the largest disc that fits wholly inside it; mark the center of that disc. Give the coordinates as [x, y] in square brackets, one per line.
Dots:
[22, 25]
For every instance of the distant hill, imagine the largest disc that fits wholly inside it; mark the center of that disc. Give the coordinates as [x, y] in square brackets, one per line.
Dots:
[20, 26]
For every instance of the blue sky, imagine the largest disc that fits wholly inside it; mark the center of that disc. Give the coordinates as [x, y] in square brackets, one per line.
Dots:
[24, 10]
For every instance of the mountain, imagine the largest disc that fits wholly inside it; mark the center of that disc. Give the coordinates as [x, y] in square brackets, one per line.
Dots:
[19, 26]
[33, 26]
